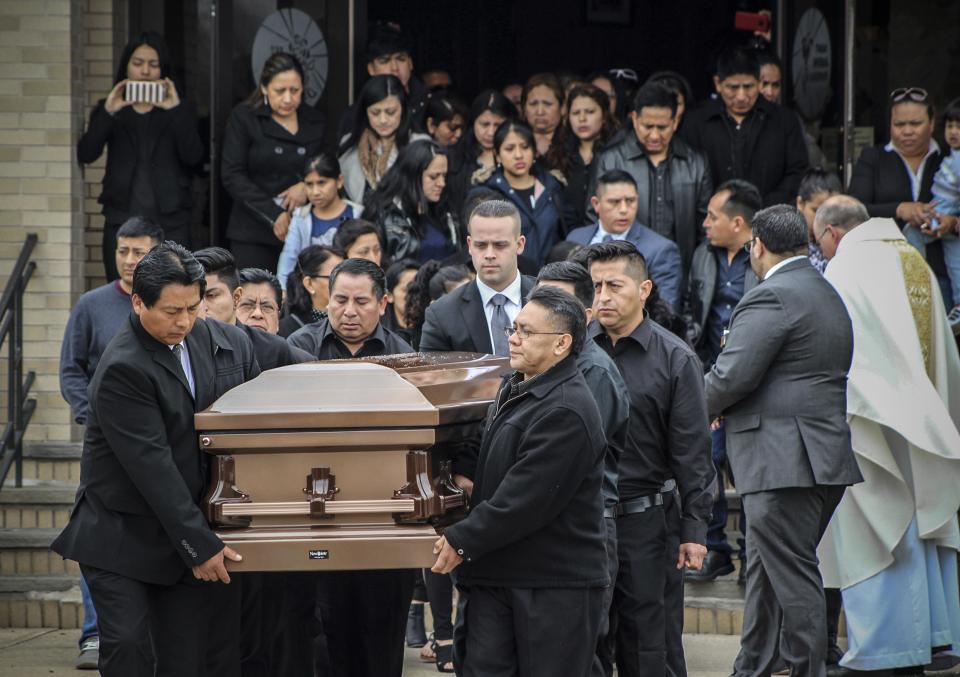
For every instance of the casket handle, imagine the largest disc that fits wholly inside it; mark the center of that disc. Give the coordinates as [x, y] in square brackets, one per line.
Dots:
[321, 487]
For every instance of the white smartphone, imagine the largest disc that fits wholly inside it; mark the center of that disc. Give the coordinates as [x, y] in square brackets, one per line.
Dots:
[144, 91]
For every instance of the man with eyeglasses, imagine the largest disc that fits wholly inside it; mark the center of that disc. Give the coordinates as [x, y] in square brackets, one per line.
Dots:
[531, 551]
[744, 136]
[666, 478]
[220, 302]
[720, 276]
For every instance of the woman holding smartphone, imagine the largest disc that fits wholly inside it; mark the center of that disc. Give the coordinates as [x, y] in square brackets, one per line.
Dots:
[268, 139]
[152, 148]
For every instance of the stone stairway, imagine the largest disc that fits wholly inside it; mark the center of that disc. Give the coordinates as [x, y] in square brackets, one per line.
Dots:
[38, 589]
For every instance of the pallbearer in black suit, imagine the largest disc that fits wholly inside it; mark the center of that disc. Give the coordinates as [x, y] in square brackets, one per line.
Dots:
[137, 530]
[532, 547]
[666, 476]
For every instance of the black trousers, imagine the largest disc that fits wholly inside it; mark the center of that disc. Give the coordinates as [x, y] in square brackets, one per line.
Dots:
[148, 629]
[440, 595]
[364, 618]
[531, 632]
[647, 609]
[605, 657]
[252, 255]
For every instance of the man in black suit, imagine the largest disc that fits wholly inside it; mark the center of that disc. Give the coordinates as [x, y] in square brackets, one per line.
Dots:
[744, 136]
[532, 547]
[781, 384]
[137, 529]
[473, 317]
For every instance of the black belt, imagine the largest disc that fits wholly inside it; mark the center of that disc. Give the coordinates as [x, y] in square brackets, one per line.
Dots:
[641, 504]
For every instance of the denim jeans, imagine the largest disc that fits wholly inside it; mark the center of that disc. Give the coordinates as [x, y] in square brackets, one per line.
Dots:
[716, 530]
[951, 257]
[89, 630]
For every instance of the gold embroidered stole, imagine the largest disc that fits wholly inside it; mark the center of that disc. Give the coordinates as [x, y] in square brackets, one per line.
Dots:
[920, 295]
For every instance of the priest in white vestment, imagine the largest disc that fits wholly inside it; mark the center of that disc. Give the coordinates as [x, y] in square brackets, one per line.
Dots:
[892, 543]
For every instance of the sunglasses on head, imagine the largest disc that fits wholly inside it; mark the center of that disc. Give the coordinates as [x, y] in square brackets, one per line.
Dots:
[624, 74]
[908, 94]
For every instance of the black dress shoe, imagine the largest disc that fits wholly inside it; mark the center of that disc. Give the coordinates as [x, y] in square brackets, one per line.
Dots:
[714, 564]
[839, 671]
[416, 633]
[742, 574]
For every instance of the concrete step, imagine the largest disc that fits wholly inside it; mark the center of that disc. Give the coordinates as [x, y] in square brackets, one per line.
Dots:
[58, 609]
[27, 584]
[51, 461]
[26, 552]
[41, 504]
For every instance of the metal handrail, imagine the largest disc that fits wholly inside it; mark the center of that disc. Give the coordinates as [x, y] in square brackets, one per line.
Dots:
[20, 407]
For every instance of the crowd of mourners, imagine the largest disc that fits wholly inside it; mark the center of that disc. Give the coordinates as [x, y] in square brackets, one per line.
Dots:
[441, 225]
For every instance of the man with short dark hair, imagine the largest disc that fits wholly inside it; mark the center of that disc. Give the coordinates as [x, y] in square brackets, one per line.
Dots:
[673, 180]
[93, 322]
[666, 478]
[532, 546]
[221, 301]
[137, 528]
[744, 136]
[364, 613]
[259, 299]
[720, 276]
[615, 201]
[352, 328]
[613, 401]
[781, 384]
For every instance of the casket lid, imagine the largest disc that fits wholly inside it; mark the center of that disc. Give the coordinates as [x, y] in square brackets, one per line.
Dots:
[415, 390]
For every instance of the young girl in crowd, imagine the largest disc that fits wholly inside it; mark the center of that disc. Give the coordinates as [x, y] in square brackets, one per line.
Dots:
[267, 139]
[443, 117]
[359, 239]
[407, 205]
[399, 275]
[307, 288]
[472, 159]
[542, 105]
[317, 221]
[587, 130]
[380, 130]
[544, 210]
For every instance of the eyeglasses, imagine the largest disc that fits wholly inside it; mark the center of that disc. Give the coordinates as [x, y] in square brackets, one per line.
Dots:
[748, 245]
[266, 307]
[624, 74]
[819, 238]
[524, 334]
[912, 93]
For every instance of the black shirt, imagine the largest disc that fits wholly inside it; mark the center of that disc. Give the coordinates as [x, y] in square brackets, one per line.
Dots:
[661, 200]
[319, 340]
[669, 432]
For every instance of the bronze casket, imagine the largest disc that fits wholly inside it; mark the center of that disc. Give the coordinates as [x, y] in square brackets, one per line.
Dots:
[343, 465]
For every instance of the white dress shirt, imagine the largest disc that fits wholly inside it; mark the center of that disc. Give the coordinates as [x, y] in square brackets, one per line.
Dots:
[512, 306]
[603, 232]
[782, 264]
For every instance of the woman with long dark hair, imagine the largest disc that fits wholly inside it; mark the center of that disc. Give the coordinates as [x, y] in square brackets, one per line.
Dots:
[152, 149]
[544, 210]
[588, 128]
[399, 276]
[380, 129]
[472, 160]
[308, 288]
[407, 206]
[442, 118]
[267, 140]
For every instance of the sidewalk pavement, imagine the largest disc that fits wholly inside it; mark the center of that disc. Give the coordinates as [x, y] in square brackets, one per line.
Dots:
[42, 652]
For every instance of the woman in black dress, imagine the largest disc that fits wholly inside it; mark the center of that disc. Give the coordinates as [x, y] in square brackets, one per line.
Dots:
[267, 141]
[152, 149]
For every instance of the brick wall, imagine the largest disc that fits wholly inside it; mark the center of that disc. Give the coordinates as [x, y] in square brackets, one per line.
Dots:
[55, 58]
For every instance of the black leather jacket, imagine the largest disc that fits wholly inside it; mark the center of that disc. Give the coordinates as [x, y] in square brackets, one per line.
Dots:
[402, 238]
[690, 186]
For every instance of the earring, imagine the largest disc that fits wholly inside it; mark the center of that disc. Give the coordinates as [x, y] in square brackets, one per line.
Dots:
[312, 292]
[266, 102]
